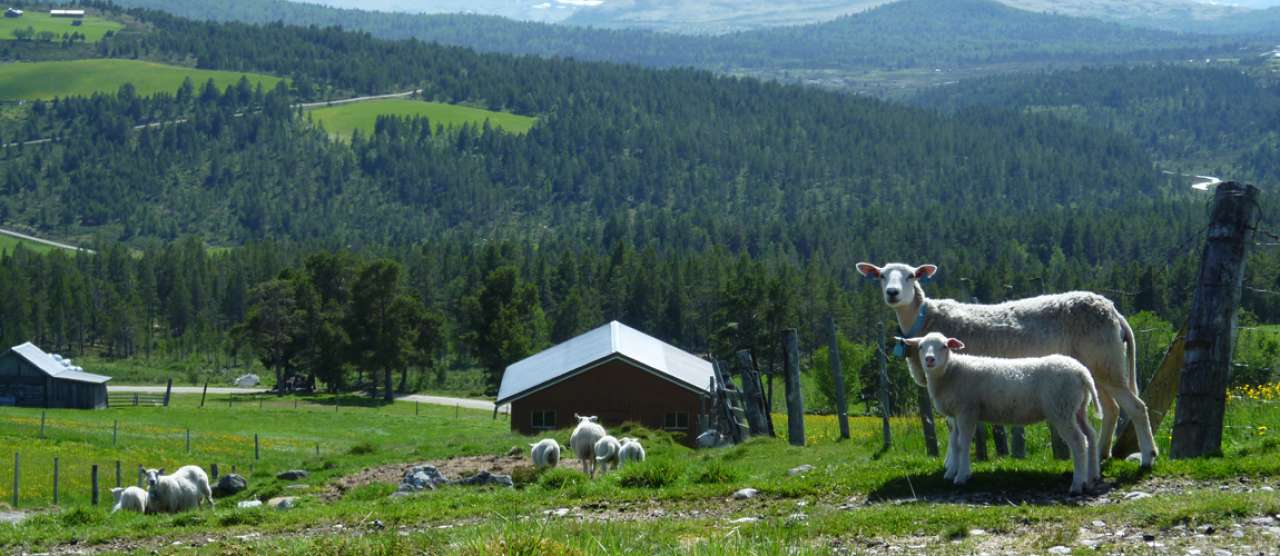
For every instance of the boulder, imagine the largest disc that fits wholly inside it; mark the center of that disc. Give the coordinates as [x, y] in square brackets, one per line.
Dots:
[292, 475]
[800, 470]
[486, 478]
[422, 477]
[229, 485]
[711, 439]
[249, 504]
[746, 493]
[282, 502]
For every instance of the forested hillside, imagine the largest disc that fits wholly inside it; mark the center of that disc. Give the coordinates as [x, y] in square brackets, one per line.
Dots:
[712, 211]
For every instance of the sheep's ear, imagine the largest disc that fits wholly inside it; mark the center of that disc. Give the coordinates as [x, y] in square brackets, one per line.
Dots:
[954, 344]
[912, 342]
[926, 271]
[869, 270]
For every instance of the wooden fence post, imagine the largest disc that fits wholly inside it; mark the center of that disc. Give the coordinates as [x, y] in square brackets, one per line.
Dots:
[1158, 394]
[1202, 388]
[188, 440]
[926, 422]
[168, 389]
[795, 400]
[17, 472]
[980, 442]
[115, 430]
[255, 446]
[842, 405]
[758, 418]
[55, 480]
[884, 391]
[204, 392]
[1000, 440]
[93, 481]
[1018, 442]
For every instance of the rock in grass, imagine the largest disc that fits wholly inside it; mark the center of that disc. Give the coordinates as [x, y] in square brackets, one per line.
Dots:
[486, 478]
[1059, 550]
[228, 485]
[292, 475]
[745, 520]
[800, 470]
[1137, 495]
[249, 504]
[746, 493]
[282, 502]
[422, 477]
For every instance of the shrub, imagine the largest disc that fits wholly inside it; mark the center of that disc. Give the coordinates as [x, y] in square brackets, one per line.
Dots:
[652, 473]
[362, 448]
[80, 515]
[242, 517]
[559, 478]
[525, 475]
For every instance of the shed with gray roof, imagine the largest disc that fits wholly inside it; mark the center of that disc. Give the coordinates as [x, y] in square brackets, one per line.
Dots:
[29, 377]
[614, 372]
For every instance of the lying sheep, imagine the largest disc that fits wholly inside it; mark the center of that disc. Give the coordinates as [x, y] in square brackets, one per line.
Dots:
[1053, 388]
[631, 451]
[545, 453]
[1081, 325]
[185, 489]
[132, 499]
[607, 451]
[583, 442]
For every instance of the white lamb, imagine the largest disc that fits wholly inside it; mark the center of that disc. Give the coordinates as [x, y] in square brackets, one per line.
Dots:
[1053, 388]
[631, 451]
[1081, 325]
[186, 488]
[132, 499]
[545, 453]
[583, 442]
[607, 451]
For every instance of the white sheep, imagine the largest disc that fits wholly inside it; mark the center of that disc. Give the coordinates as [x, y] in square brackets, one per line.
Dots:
[1081, 325]
[1053, 388]
[583, 442]
[631, 451]
[186, 488]
[607, 451]
[545, 453]
[132, 499]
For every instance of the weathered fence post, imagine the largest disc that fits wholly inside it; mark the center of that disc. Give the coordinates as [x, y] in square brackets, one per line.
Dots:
[93, 481]
[188, 440]
[1018, 444]
[795, 400]
[1000, 440]
[55, 480]
[255, 446]
[1158, 395]
[884, 390]
[926, 422]
[168, 389]
[842, 405]
[980, 442]
[758, 417]
[17, 472]
[204, 392]
[1202, 388]
[115, 430]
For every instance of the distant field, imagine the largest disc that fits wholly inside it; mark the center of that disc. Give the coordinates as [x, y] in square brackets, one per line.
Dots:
[341, 120]
[39, 80]
[8, 243]
[93, 28]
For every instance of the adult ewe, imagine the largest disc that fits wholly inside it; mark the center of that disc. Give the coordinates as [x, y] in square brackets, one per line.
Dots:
[185, 489]
[583, 442]
[607, 451]
[1081, 325]
[131, 499]
[545, 453]
[631, 451]
[1053, 388]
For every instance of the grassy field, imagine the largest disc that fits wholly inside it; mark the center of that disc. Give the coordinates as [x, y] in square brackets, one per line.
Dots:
[42, 80]
[856, 497]
[8, 243]
[93, 27]
[342, 119]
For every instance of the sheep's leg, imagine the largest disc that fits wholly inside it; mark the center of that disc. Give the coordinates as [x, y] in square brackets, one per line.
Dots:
[1082, 420]
[1110, 414]
[1077, 441]
[966, 426]
[949, 462]
[1136, 410]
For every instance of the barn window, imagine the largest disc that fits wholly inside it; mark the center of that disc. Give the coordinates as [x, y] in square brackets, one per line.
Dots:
[544, 420]
[678, 421]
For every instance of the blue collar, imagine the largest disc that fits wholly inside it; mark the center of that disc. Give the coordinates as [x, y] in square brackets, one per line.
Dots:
[900, 350]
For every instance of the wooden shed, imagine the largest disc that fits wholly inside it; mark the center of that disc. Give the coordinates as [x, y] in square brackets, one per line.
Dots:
[29, 377]
[615, 372]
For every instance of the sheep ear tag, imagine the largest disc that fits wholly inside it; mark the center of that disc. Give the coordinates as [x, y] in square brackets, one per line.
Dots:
[900, 350]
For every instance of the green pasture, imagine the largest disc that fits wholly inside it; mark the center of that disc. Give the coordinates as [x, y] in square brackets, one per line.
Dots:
[856, 490]
[43, 80]
[8, 243]
[340, 120]
[92, 27]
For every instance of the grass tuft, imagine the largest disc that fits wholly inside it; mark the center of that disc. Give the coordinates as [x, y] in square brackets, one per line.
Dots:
[651, 473]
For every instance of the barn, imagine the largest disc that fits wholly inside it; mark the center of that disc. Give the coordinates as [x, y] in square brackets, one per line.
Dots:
[615, 372]
[29, 377]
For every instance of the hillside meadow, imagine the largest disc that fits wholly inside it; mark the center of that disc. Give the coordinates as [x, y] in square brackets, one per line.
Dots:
[92, 27]
[45, 80]
[856, 495]
[8, 243]
[342, 119]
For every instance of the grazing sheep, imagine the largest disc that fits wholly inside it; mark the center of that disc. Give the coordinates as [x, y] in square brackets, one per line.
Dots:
[185, 489]
[631, 451]
[1081, 325]
[607, 451]
[546, 453]
[583, 442]
[131, 499]
[1053, 388]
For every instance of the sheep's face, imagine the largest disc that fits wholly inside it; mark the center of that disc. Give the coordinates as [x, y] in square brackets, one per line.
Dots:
[586, 419]
[933, 351]
[153, 476]
[897, 280]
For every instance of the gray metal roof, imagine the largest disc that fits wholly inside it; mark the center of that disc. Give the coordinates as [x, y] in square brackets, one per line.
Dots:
[614, 339]
[52, 367]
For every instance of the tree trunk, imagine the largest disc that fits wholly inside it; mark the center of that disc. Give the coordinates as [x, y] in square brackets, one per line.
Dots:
[1206, 371]
[387, 394]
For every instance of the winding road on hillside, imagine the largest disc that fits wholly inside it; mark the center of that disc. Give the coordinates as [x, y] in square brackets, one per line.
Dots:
[52, 243]
[483, 405]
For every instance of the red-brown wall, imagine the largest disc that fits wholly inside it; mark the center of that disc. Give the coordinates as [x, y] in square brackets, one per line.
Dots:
[616, 391]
